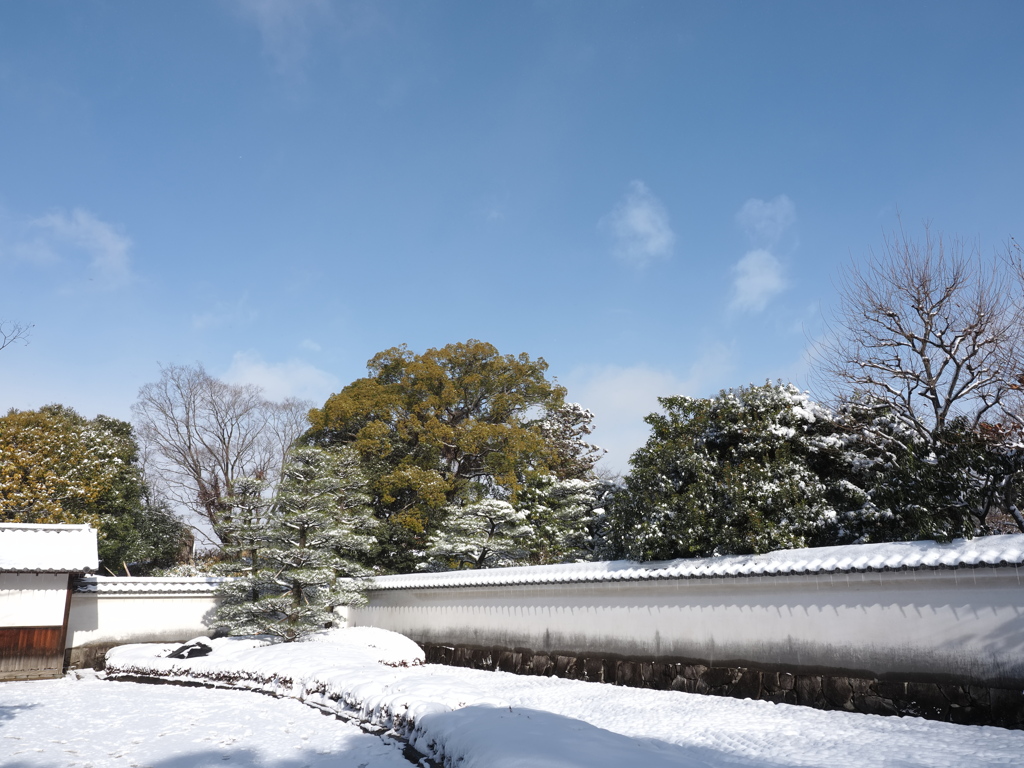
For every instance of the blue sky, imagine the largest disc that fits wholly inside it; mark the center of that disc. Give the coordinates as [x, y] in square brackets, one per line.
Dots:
[655, 197]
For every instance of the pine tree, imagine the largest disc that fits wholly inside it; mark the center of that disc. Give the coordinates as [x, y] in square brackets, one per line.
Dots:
[297, 555]
[561, 514]
[486, 534]
[250, 534]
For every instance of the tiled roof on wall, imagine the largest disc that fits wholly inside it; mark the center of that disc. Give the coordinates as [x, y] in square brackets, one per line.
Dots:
[912, 555]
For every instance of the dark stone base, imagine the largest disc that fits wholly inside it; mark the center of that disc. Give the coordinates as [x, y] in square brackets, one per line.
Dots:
[88, 657]
[947, 702]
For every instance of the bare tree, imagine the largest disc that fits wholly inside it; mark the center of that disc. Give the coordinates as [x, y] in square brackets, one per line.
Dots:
[286, 421]
[201, 435]
[930, 329]
[931, 332]
[11, 331]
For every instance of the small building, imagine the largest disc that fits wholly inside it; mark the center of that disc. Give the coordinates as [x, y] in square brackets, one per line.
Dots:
[37, 566]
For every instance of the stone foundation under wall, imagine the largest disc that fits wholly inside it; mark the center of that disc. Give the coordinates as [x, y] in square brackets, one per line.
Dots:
[88, 656]
[947, 702]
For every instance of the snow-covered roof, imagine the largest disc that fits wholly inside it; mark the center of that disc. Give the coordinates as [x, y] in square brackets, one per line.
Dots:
[911, 555]
[47, 548]
[151, 585]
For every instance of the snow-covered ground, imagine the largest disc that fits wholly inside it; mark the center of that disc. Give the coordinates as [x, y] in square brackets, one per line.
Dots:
[93, 723]
[474, 718]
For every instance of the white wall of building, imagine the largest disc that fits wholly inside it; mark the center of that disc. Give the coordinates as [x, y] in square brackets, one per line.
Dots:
[32, 599]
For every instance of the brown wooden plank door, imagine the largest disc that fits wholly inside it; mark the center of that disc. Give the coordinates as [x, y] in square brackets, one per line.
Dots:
[28, 653]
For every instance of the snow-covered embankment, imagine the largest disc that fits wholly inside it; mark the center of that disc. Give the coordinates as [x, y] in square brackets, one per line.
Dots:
[474, 718]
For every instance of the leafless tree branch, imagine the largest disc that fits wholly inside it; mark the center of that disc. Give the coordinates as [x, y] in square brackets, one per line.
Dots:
[201, 435]
[930, 328]
[11, 331]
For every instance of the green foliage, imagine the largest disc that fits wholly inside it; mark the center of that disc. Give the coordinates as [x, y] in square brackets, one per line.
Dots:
[763, 468]
[447, 429]
[296, 555]
[58, 467]
[561, 515]
[939, 486]
[751, 470]
[488, 533]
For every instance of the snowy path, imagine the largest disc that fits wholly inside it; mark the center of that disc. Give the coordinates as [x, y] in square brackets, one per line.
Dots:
[103, 724]
[478, 719]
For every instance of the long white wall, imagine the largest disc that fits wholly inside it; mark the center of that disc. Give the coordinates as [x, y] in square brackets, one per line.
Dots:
[960, 623]
[116, 611]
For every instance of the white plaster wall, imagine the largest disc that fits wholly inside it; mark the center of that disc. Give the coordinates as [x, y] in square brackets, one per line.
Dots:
[32, 599]
[98, 619]
[963, 624]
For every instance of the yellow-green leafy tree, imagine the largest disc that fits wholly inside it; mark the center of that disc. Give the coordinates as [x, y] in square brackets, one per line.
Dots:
[448, 428]
[58, 467]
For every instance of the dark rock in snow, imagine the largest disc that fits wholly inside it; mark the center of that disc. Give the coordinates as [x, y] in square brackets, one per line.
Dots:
[190, 650]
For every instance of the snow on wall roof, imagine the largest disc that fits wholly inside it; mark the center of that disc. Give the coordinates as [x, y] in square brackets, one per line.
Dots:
[47, 548]
[910, 555]
[151, 585]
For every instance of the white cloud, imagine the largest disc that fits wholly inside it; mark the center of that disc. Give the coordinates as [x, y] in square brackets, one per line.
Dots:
[293, 378]
[284, 26]
[765, 222]
[106, 249]
[225, 313]
[758, 276]
[310, 345]
[639, 227]
[620, 398]
[758, 279]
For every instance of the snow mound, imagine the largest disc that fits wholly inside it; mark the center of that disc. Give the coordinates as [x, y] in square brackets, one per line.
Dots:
[385, 646]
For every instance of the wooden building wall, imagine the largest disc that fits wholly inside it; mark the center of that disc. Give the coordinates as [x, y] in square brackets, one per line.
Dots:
[31, 652]
[33, 624]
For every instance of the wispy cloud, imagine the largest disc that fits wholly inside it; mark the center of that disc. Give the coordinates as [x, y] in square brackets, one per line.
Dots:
[639, 227]
[285, 27]
[310, 345]
[225, 314]
[293, 378]
[621, 396]
[766, 221]
[84, 246]
[759, 277]
[757, 280]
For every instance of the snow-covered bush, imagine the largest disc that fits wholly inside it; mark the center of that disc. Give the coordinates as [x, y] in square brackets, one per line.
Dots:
[747, 471]
[763, 467]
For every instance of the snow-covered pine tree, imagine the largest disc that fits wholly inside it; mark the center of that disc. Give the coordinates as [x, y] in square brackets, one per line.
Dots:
[560, 514]
[301, 560]
[754, 469]
[249, 534]
[486, 534]
[552, 521]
